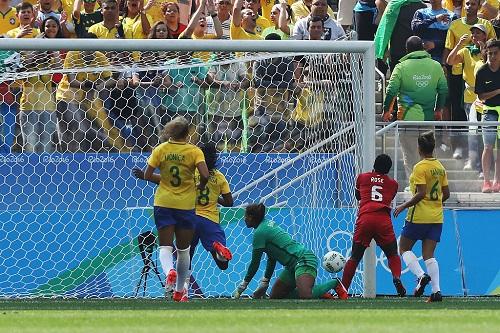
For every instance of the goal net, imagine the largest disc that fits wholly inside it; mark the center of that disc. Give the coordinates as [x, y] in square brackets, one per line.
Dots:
[293, 129]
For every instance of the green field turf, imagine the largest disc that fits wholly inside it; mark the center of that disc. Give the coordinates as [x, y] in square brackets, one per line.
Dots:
[386, 315]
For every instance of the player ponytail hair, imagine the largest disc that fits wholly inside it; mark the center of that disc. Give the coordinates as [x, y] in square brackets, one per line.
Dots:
[383, 164]
[210, 152]
[177, 129]
[256, 211]
[426, 143]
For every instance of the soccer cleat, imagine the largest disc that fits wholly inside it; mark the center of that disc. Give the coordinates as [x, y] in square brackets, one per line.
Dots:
[399, 287]
[435, 297]
[487, 187]
[340, 290]
[327, 296]
[222, 251]
[421, 283]
[170, 283]
[180, 296]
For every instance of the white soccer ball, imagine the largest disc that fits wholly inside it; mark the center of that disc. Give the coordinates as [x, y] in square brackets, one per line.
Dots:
[333, 262]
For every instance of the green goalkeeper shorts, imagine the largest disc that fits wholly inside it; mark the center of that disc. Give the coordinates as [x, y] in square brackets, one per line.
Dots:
[307, 264]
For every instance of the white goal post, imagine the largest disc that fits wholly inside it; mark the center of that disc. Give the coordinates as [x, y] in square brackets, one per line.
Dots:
[363, 112]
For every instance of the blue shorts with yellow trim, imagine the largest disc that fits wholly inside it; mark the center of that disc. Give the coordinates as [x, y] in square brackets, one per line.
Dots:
[181, 218]
[421, 231]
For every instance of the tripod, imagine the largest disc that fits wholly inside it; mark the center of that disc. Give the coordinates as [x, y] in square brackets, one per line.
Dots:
[147, 244]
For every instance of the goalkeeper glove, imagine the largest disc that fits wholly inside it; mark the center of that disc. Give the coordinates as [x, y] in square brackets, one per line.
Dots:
[240, 289]
[260, 292]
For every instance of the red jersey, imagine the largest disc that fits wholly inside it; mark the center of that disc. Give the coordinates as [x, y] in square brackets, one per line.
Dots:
[376, 192]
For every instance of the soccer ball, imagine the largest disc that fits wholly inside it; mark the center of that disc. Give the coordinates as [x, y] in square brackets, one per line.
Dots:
[333, 262]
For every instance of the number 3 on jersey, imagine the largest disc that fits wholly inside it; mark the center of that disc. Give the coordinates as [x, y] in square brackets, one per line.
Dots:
[376, 195]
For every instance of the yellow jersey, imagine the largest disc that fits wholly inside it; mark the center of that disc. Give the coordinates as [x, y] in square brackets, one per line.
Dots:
[262, 24]
[8, 20]
[267, 7]
[135, 25]
[448, 4]
[240, 33]
[74, 59]
[177, 162]
[300, 10]
[203, 55]
[156, 12]
[37, 94]
[469, 64]
[206, 201]
[104, 33]
[457, 29]
[430, 172]
[13, 33]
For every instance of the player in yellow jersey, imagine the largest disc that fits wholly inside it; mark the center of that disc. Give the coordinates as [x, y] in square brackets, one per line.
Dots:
[175, 197]
[207, 227]
[424, 221]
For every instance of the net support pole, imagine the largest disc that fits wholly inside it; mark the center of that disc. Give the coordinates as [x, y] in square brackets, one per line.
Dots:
[368, 156]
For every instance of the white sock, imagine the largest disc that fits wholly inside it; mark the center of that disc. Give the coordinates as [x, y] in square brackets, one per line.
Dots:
[433, 271]
[166, 258]
[219, 257]
[188, 279]
[411, 261]
[182, 265]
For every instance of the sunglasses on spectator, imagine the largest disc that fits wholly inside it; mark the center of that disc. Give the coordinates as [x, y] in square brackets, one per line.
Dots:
[223, 2]
[89, 1]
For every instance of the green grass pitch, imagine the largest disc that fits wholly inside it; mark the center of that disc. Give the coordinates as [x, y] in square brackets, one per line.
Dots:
[383, 314]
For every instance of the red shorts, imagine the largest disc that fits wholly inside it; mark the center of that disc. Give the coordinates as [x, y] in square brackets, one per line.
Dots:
[374, 225]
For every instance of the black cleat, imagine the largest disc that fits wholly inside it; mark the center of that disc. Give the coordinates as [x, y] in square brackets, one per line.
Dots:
[399, 287]
[421, 283]
[435, 297]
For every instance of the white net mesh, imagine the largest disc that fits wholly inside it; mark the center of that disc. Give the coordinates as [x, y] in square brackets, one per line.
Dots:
[75, 221]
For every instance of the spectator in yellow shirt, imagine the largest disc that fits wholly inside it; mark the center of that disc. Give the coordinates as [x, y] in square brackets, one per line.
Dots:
[136, 19]
[261, 22]
[243, 23]
[108, 28]
[26, 17]
[197, 25]
[488, 9]
[8, 17]
[302, 8]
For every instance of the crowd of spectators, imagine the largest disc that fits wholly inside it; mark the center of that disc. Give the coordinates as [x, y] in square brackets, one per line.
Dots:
[280, 103]
[271, 100]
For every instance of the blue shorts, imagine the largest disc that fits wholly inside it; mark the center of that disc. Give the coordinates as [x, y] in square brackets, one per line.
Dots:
[421, 231]
[181, 218]
[207, 232]
[490, 133]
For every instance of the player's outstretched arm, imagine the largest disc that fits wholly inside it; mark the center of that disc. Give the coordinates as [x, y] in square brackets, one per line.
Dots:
[226, 200]
[252, 269]
[421, 189]
[138, 173]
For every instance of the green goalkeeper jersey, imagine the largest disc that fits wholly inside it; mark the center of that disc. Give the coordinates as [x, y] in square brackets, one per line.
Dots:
[277, 244]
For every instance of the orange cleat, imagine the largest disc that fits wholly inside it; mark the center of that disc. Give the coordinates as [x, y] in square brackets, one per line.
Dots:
[222, 251]
[170, 283]
[180, 296]
[341, 291]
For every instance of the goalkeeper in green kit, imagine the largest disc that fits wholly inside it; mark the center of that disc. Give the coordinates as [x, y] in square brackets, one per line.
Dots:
[300, 264]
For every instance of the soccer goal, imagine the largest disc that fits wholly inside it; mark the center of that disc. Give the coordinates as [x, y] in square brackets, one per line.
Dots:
[294, 122]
